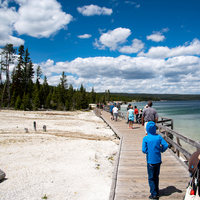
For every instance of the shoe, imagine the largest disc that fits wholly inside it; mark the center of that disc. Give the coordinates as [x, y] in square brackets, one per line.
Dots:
[154, 197]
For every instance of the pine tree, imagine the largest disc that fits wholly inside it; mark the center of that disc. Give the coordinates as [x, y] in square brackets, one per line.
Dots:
[8, 58]
[70, 101]
[37, 92]
[18, 103]
[92, 96]
[45, 90]
[36, 101]
[48, 103]
[38, 77]
[83, 100]
[63, 88]
[1, 69]
[30, 76]
[77, 100]
[108, 95]
[17, 87]
[26, 62]
[26, 105]
[54, 99]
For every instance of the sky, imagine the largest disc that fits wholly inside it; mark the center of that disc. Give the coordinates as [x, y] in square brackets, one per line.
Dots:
[142, 46]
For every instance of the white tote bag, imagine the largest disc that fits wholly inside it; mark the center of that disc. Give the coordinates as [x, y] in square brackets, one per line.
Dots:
[188, 196]
[193, 182]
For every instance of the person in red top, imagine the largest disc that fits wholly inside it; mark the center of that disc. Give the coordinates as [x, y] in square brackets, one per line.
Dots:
[136, 113]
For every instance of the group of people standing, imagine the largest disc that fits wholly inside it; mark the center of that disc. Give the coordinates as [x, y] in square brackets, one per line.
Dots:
[130, 115]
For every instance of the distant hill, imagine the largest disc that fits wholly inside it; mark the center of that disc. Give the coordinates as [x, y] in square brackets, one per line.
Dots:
[154, 97]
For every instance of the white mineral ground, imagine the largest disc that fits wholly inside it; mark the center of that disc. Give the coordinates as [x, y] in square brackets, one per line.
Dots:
[72, 160]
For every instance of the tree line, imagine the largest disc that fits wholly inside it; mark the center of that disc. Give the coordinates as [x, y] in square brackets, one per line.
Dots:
[18, 91]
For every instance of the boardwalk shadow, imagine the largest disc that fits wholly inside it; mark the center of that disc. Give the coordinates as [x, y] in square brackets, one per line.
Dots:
[136, 127]
[168, 191]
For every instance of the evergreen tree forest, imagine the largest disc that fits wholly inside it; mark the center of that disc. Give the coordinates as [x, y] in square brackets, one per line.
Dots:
[18, 91]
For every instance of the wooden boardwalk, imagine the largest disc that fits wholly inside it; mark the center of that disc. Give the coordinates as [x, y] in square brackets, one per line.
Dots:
[130, 179]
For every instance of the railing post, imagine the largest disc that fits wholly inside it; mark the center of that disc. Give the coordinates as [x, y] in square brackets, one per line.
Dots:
[172, 124]
[177, 151]
[199, 143]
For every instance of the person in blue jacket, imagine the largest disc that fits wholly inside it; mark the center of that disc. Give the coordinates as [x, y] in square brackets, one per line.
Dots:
[111, 111]
[153, 145]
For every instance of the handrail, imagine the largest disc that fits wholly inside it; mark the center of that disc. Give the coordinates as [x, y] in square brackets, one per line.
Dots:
[169, 134]
[163, 121]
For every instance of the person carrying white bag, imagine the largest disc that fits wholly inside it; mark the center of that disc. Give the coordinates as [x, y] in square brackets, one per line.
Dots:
[192, 191]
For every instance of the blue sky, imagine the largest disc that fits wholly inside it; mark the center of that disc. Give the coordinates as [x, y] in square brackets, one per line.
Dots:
[125, 46]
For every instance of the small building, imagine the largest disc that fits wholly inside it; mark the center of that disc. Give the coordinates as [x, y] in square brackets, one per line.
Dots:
[92, 105]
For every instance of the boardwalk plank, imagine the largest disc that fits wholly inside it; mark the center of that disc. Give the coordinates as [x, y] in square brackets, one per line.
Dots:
[132, 179]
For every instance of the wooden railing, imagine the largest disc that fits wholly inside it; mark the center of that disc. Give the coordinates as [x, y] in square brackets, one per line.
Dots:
[166, 122]
[106, 108]
[174, 139]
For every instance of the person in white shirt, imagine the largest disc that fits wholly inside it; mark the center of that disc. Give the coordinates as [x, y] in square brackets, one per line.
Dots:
[115, 112]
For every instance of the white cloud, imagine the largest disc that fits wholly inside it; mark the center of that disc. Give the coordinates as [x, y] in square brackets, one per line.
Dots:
[157, 36]
[112, 39]
[129, 74]
[165, 30]
[94, 10]
[8, 16]
[38, 18]
[11, 40]
[41, 18]
[165, 52]
[85, 36]
[130, 2]
[137, 6]
[137, 45]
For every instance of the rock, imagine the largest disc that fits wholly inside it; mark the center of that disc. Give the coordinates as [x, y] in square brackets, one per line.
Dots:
[2, 174]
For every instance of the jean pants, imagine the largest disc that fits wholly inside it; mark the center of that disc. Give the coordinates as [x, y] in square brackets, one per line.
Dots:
[153, 178]
[137, 118]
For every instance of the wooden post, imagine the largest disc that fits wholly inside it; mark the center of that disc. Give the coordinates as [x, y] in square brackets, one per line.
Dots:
[44, 128]
[199, 143]
[34, 125]
[178, 142]
[172, 124]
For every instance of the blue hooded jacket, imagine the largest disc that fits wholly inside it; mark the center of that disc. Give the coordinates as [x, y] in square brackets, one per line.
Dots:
[111, 107]
[153, 144]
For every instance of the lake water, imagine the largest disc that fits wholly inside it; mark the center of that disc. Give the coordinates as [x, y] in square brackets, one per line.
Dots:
[186, 115]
